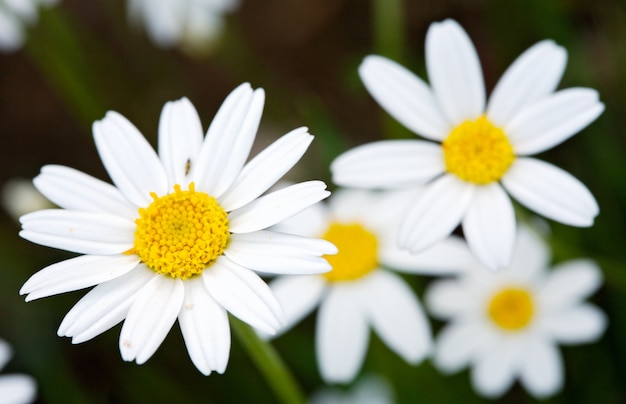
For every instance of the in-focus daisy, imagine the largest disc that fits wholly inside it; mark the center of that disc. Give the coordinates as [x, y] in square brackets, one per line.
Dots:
[194, 24]
[180, 234]
[14, 16]
[507, 325]
[358, 294]
[15, 388]
[484, 147]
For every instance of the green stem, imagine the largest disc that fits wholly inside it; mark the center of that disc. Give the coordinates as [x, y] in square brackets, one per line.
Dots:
[268, 362]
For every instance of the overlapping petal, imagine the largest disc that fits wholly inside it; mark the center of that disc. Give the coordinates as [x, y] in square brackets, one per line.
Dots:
[449, 256]
[299, 295]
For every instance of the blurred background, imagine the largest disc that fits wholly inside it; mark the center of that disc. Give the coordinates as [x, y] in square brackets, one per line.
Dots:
[82, 58]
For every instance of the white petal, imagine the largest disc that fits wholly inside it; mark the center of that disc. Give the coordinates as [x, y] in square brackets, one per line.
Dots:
[552, 120]
[404, 96]
[77, 273]
[228, 140]
[298, 295]
[495, 371]
[129, 159]
[278, 264]
[276, 206]
[260, 173]
[447, 299]
[388, 164]
[449, 256]
[180, 139]
[454, 71]
[532, 76]
[436, 213]
[5, 353]
[17, 389]
[271, 242]
[489, 226]
[104, 306]
[457, 344]
[531, 256]
[580, 324]
[569, 283]
[81, 232]
[74, 190]
[150, 318]
[542, 368]
[244, 294]
[342, 335]
[551, 192]
[396, 315]
[204, 325]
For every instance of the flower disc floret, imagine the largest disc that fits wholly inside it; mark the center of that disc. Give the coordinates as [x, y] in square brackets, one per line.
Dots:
[358, 252]
[512, 308]
[478, 151]
[182, 233]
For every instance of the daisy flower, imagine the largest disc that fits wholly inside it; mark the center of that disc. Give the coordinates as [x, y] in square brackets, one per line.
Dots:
[14, 16]
[15, 388]
[507, 325]
[358, 293]
[191, 23]
[483, 148]
[181, 233]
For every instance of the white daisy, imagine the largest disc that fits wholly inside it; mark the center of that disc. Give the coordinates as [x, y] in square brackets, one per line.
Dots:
[358, 293]
[14, 388]
[191, 23]
[506, 325]
[14, 16]
[180, 234]
[484, 149]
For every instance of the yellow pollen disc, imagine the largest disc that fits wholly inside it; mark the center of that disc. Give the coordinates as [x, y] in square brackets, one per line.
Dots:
[358, 252]
[511, 308]
[478, 151]
[182, 233]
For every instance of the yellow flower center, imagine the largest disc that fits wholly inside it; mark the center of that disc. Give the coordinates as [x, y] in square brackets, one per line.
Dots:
[182, 233]
[358, 252]
[511, 308]
[478, 151]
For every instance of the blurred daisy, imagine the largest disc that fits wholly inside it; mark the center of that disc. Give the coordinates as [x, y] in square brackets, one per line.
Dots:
[484, 149]
[14, 16]
[194, 24]
[180, 234]
[358, 293]
[506, 325]
[370, 390]
[15, 388]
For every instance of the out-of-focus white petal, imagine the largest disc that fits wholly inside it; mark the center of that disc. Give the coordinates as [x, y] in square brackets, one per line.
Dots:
[454, 71]
[77, 273]
[260, 173]
[205, 328]
[530, 258]
[311, 222]
[131, 162]
[72, 189]
[396, 315]
[580, 324]
[447, 299]
[104, 306]
[228, 140]
[457, 345]
[180, 139]
[17, 389]
[404, 96]
[276, 206]
[271, 242]
[449, 256]
[532, 76]
[150, 318]
[244, 294]
[5, 353]
[496, 369]
[569, 283]
[388, 164]
[489, 226]
[436, 213]
[342, 335]
[541, 370]
[551, 192]
[552, 120]
[298, 295]
[81, 232]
